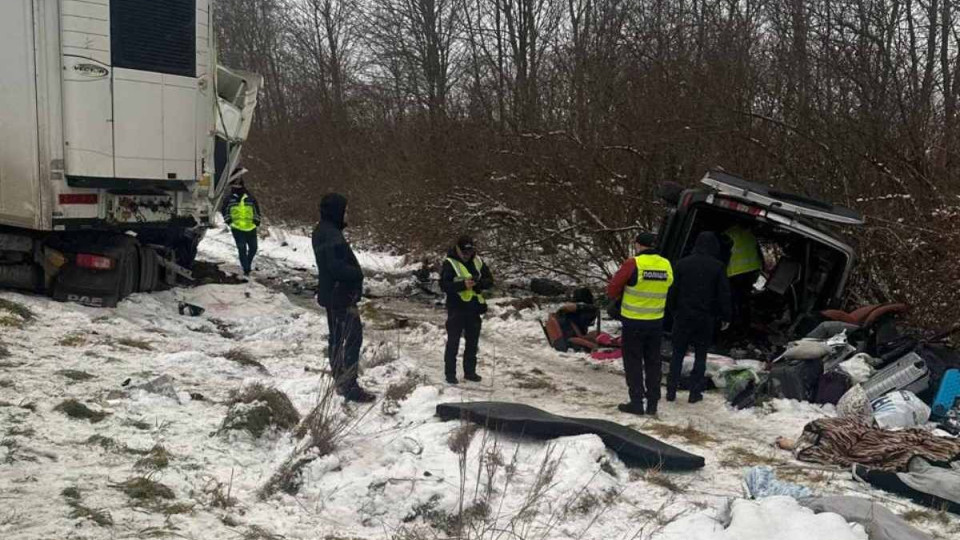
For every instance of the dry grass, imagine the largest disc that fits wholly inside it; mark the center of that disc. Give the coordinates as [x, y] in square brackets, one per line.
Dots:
[799, 475]
[398, 392]
[459, 440]
[72, 340]
[657, 477]
[384, 354]
[257, 408]
[320, 433]
[16, 431]
[75, 375]
[219, 495]
[176, 508]
[14, 314]
[158, 458]
[97, 515]
[134, 343]
[736, 457]
[75, 409]
[255, 532]
[139, 424]
[535, 380]
[941, 517]
[144, 490]
[239, 356]
[224, 328]
[689, 433]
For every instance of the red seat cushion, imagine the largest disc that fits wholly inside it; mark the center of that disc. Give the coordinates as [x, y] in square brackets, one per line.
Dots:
[866, 315]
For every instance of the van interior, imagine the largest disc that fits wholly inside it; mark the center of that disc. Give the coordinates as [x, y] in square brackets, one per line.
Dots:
[801, 275]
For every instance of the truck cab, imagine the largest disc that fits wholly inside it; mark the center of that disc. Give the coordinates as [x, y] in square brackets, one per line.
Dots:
[806, 264]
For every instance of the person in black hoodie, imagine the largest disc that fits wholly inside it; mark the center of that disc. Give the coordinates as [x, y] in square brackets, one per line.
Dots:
[700, 296]
[339, 286]
[464, 277]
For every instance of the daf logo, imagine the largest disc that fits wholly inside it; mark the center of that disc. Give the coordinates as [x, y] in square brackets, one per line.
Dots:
[91, 70]
[85, 300]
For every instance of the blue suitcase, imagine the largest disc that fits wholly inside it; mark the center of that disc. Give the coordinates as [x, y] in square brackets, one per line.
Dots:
[948, 393]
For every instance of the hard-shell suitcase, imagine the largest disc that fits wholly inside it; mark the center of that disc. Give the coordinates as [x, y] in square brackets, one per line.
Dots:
[948, 393]
[908, 373]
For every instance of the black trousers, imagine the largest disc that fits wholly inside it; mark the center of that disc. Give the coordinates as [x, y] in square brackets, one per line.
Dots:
[246, 247]
[462, 323]
[343, 346]
[686, 334]
[741, 288]
[641, 359]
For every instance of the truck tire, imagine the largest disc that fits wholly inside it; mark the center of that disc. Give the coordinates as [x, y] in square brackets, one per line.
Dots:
[149, 269]
[185, 249]
[129, 270]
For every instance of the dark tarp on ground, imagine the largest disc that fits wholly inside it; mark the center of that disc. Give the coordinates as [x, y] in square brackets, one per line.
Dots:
[633, 447]
[879, 522]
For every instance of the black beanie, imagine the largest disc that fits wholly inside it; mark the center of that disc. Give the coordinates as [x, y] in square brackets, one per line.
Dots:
[646, 239]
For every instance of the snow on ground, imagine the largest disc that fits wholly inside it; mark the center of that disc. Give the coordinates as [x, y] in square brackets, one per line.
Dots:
[395, 474]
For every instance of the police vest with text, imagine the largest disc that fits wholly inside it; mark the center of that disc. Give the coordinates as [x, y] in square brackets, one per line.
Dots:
[463, 274]
[242, 215]
[647, 299]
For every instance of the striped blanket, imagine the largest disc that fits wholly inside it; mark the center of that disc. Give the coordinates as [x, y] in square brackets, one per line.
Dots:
[846, 441]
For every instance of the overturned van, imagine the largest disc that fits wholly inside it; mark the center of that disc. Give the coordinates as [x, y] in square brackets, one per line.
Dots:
[805, 264]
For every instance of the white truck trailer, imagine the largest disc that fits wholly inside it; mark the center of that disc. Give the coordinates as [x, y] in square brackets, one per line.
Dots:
[119, 135]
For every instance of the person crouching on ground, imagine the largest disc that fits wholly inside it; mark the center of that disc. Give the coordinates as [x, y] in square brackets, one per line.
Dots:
[699, 297]
[339, 286]
[577, 317]
[464, 277]
[641, 285]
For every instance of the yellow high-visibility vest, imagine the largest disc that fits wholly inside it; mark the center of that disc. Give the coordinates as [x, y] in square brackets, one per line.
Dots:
[464, 274]
[241, 215]
[647, 300]
[744, 255]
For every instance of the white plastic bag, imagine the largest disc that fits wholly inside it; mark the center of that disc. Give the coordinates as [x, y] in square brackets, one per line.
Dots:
[858, 368]
[902, 409]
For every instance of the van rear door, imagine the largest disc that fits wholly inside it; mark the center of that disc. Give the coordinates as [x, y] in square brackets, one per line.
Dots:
[780, 202]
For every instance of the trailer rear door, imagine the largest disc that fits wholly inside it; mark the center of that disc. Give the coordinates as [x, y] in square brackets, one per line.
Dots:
[20, 203]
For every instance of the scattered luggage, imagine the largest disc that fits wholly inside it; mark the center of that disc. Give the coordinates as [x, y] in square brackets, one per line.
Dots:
[908, 373]
[948, 394]
[795, 379]
[832, 386]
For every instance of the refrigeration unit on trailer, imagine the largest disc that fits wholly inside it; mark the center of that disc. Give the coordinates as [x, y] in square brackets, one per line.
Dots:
[118, 137]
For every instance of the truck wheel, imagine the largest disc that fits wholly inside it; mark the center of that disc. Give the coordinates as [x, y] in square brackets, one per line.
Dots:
[185, 249]
[129, 270]
[149, 269]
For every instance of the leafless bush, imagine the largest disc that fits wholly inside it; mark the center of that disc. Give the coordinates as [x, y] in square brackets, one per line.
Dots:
[320, 433]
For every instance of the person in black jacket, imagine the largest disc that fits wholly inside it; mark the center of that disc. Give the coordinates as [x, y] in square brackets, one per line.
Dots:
[699, 297]
[339, 286]
[464, 277]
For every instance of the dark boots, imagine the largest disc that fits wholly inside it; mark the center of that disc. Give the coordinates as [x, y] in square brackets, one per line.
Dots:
[631, 408]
